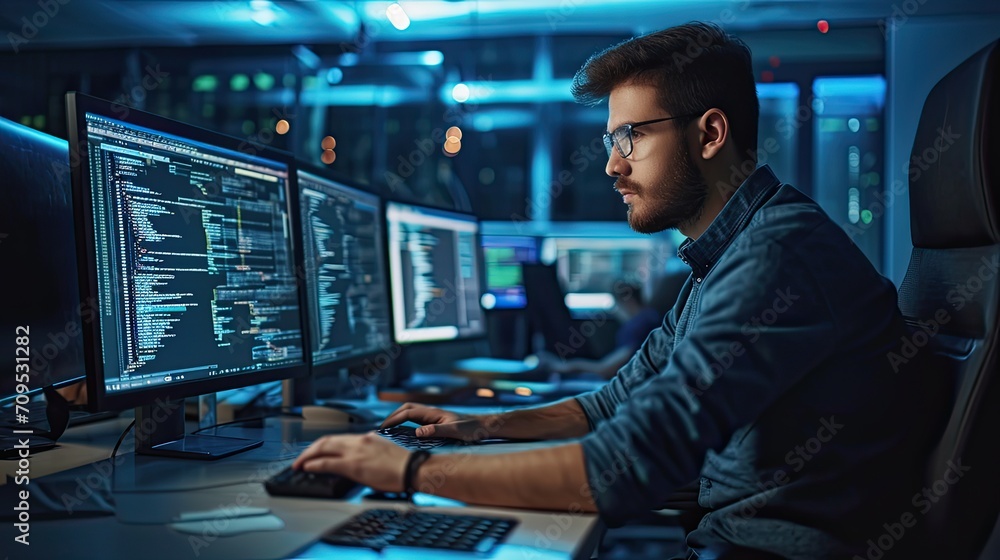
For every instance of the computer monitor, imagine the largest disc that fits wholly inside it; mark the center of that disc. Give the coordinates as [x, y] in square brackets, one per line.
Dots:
[550, 316]
[185, 244]
[434, 272]
[504, 256]
[345, 271]
[588, 267]
[38, 257]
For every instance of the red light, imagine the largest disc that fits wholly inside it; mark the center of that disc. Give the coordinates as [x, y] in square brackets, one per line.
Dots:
[774, 61]
[823, 26]
[767, 76]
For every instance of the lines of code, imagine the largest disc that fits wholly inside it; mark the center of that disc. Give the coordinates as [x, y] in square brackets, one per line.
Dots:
[200, 278]
[345, 267]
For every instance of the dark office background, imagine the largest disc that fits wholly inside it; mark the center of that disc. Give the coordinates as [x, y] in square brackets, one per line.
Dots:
[386, 95]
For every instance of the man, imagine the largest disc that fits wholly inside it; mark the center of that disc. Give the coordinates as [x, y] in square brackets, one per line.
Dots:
[637, 321]
[768, 384]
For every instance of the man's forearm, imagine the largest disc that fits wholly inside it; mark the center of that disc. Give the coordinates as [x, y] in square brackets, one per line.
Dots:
[562, 420]
[549, 478]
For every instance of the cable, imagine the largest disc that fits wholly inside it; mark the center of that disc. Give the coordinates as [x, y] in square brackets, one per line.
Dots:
[120, 439]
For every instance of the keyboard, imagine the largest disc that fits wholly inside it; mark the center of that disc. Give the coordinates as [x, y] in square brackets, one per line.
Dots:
[381, 528]
[290, 482]
[322, 485]
[406, 436]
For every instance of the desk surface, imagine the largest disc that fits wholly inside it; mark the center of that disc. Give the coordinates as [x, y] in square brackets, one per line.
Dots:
[141, 497]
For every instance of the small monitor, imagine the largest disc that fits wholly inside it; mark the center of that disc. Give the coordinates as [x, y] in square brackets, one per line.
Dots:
[185, 244]
[504, 256]
[38, 257]
[434, 272]
[346, 282]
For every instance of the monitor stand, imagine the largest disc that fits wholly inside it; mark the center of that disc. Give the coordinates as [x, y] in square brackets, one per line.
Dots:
[159, 430]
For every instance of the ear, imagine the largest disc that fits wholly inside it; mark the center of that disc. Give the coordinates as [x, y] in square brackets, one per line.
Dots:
[713, 133]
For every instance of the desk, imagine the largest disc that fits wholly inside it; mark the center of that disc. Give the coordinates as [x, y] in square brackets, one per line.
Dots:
[149, 492]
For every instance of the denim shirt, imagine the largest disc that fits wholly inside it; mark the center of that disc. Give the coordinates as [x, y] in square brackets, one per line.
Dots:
[769, 385]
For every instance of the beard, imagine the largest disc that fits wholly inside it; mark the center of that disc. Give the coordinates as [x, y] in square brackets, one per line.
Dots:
[676, 201]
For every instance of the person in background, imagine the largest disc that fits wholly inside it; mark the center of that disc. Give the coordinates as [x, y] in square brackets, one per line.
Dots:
[637, 321]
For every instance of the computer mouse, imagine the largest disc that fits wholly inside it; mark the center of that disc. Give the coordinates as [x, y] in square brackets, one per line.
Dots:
[332, 415]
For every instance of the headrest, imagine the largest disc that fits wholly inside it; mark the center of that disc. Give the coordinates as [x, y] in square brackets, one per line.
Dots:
[953, 164]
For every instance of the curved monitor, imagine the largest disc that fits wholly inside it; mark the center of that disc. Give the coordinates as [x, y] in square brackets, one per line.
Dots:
[434, 272]
[186, 246]
[345, 271]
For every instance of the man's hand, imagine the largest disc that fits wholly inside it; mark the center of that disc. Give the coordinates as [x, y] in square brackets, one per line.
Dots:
[440, 423]
[368, 459]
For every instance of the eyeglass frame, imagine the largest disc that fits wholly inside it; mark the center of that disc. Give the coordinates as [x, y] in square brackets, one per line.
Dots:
[609, 137]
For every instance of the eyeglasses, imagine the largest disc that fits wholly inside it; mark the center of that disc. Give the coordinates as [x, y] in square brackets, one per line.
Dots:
[621, 137]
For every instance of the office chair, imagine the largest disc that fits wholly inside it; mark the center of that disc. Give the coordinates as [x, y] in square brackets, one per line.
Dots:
[952, 280]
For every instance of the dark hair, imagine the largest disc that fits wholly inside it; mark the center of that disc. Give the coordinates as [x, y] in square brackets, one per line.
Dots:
[696, 66]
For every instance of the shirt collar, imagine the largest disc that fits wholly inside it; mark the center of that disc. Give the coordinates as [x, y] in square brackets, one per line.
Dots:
[700, 254]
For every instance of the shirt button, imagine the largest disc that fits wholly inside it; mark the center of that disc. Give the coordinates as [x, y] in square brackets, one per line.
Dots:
[697, 280]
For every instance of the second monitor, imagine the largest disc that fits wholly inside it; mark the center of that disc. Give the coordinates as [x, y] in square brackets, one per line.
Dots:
[345, 270]
[434, 274]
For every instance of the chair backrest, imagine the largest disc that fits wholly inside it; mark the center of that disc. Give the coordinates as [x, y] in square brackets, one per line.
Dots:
[952, 285]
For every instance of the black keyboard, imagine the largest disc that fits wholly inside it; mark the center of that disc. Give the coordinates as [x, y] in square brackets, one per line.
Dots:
[381, 528]
[291, 482]
[406, 436]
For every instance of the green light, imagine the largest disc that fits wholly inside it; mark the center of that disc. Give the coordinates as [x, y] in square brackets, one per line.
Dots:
[866, 216]
[288, 80]
[39, 122]
[239, 82]
[205, 83]
[832, 125]
[248, 127]
[263, 81]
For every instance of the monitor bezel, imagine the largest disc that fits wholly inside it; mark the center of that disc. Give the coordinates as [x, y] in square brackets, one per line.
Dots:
[77, 106]
[333, 366]
[480, 263]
